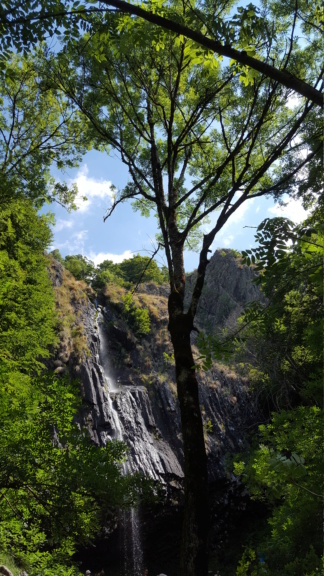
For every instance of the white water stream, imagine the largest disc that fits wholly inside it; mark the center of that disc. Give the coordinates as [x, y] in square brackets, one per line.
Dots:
[129, 520]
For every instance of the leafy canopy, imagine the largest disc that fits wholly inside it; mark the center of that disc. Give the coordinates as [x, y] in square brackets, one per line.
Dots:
[247, 36]
[27, 319]
[38, 129]
[130, 272]
[193, 136]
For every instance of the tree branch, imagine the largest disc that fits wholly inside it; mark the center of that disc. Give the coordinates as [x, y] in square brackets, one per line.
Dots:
[281, 76]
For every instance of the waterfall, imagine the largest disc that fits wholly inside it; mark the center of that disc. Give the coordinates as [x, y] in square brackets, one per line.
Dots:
[131, 543]
[129, 520]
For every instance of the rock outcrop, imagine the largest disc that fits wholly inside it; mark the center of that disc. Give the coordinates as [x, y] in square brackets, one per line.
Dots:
[228, 288]
[134, 413]
[129, 393]
[128, 383]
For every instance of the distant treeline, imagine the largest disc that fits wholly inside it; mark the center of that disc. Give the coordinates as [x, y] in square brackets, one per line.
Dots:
[131, 271]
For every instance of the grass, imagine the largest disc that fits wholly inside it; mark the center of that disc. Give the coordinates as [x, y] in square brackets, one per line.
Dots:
[8, 562]
[71, 297]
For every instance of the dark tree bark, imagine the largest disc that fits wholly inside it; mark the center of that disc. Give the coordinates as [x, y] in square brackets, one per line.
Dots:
[194, 549]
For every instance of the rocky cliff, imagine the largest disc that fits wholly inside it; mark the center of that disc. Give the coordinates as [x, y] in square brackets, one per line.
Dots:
[227, 289]
[127, 381]
[128, 388]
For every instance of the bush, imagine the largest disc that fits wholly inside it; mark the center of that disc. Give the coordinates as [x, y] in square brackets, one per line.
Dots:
[137, 318]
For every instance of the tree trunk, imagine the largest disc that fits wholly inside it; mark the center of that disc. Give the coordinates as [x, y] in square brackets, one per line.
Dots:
[194, 547]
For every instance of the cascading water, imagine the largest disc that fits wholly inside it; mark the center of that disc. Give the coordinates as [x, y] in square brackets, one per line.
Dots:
[131, 543]
[129, 520]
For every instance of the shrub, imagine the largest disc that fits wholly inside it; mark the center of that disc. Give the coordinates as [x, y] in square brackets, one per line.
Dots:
[137, 318]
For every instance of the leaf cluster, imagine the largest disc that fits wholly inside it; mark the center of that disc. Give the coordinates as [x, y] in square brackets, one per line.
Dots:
[128, 273]
[136, 317]
[281, 351]
[186, 127]
[285, 471]
[27, 321]
[38, 128]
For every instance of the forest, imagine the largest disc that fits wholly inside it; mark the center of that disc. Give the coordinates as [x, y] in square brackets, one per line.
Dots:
[209, 105]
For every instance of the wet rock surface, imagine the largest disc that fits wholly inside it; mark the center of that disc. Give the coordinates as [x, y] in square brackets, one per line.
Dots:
[130, 413]
[128, 391]
[128, 384]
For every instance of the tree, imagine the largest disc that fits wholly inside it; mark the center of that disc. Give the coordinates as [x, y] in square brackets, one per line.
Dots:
[81, 267]
[24, 26]
[27, 322]
[197, 143]
[56, 488]
[287, 350]
[37, 129]
[224, 41]
[57, 255]
[282, 347]
[141, 269]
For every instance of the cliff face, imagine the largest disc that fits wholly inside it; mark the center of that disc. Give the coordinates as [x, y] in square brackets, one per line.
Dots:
[128, 382]
[129, 393]
[227, 289]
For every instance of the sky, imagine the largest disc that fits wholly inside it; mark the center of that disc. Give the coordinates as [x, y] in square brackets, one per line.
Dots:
[127, 233]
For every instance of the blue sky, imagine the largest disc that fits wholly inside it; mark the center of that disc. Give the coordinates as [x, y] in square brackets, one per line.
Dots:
[126, 232]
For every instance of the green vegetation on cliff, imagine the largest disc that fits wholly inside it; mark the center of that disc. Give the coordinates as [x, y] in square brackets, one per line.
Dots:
[128, 273]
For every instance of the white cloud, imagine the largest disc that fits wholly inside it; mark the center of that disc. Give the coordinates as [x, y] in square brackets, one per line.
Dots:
[80, 236]
[292, 210]
[116, 258]
[74, 245]
[62, 224]
[91, 188]
[239, 216]
[228, 241]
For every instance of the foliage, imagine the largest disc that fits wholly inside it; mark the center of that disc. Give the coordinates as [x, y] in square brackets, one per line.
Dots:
[37, 129]
[200, 158]
[198, 140]
[136, 317]
[81, 267]
[105, 273]
[247, 36]
[128, 273]
[140, 269]
[6, 560]
[198, 137]
[27, 322]
[250, 564]
[57, 255]
[56, 487]
[285, 337]
[281, 346]
[23, 26]
[168, 359]
[286, 471]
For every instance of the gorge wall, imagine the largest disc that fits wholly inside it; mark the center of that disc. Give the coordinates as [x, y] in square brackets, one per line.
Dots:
[132, 378]
[127, 382]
